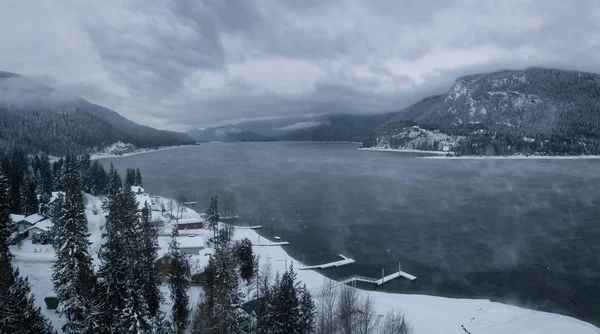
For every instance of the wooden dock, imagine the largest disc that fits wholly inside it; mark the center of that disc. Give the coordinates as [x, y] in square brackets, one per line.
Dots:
[255, 227]
[280, 243]
[378, 281]
[340, 263]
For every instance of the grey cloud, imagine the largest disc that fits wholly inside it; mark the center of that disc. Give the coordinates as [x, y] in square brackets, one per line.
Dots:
[355, 56]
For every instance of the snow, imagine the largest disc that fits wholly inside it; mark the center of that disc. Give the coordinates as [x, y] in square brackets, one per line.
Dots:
[427, 314]
[44, 225]
[16, 218]
[383, 149]
[190, 241]
[137, 189]
[34, 218]
[517, 157]
[120, 149]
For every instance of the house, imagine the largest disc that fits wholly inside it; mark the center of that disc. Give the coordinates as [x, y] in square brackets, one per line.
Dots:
[27, 222]
[137, 189]
[190, 223]
[191, 244]
[43, 226]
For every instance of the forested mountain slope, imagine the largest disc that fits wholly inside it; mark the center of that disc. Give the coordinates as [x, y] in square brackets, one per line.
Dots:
[536, 110]
[40, 118]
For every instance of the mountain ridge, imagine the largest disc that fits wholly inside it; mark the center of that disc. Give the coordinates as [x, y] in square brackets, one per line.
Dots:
[39, 117]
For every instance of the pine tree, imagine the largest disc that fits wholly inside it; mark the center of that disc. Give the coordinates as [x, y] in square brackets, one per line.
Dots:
[18, 313]
[73, 277]
[246, 259]
[149, 250]
[5, 232]
[179, 285]
[138, 177]
[129, 177]
[114, 182]
[285, 309]
[227, 315]
[114, 270]
[29, 198]
[306, 319]
[46, 174]
[212, 214]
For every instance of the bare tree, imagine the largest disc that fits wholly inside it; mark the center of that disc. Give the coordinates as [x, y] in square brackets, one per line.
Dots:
[348, 310]
[180, 207]
[171, 205]
[326, 321]
[368, 319]
[395, 323]
[228, 207]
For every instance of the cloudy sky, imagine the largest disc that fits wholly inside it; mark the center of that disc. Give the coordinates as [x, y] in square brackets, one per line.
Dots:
[180, 64]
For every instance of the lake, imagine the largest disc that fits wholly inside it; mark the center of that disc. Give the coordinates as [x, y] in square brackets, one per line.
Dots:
[524, 232]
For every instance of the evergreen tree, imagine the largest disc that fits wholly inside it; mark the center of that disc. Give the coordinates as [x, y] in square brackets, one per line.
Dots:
[150, 280]
[114, 270]
[138, 177]
[129, 177]
[226, 313]
[29, 198]
[18, 313]
[306, 319]
[46, 174]
[114, 183]
[5, 232]
[179, 285]
[212, 214]
[285, 310]
[73, 277]
[246, 259]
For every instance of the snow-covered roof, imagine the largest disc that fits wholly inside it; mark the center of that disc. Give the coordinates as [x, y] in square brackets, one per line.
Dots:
[34, 218]
[137, 189]
[44, 225]
[190, 220]
[190, 241]
[16, 218]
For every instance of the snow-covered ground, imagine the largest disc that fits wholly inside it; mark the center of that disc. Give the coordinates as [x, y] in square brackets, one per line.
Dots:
[518, 157]
[385, 149]
[427, 314]
[120, 149]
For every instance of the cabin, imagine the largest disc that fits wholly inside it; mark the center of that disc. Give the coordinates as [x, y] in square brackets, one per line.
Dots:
[24, 224]
[190, 224]
[43, 226]
[191, 244]
[137, 189]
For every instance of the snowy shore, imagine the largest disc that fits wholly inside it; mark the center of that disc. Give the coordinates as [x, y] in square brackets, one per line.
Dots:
[102, 155]
[427, 314]
[443, 155]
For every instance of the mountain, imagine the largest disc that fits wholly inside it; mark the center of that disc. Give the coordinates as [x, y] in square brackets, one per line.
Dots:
[38, 117]
[532, 111]
[339, 127]
[244, 136]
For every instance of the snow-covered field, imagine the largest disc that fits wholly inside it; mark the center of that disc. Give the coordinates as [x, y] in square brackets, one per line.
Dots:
[120, 149]
[427, 314]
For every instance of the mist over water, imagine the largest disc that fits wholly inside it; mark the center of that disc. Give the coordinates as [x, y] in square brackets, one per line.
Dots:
[525, 232]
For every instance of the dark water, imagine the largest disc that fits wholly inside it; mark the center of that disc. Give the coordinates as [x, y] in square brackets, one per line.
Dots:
[525, 232]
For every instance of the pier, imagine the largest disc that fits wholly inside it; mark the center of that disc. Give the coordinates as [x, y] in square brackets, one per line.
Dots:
[280, 243]
[255, 227]
[343, 262]
[378, 281]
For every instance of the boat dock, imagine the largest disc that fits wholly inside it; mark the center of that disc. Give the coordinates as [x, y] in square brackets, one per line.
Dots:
[255, 227]
[280, 243]
[343, 262]
[378, 281]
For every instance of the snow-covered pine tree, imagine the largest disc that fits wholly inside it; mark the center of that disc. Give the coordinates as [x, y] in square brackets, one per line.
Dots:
[129, 177]
[114, 182]
[138, 177]
[179, 285]
[113, 271]
[73, 277]
[135, 317]
[150, 282]
[5, 232]
[246, 259]
[212, 214]
[227, 315]
[18, 313]
[29, 198]
[306, 317]
[285, 308]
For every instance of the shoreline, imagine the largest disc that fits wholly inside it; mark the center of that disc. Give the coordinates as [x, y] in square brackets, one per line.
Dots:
[429, 313]
[98, 156]
[443, 155]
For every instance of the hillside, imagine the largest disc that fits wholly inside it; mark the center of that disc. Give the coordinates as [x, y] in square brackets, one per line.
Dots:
[338, 127]
[533, 111]
[41, 118]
